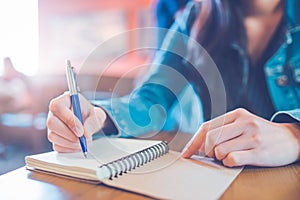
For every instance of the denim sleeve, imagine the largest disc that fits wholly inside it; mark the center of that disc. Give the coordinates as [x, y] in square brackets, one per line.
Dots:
[290, 116]
[146, 109]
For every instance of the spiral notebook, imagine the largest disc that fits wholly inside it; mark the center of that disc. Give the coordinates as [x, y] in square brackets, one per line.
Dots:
[141, 166]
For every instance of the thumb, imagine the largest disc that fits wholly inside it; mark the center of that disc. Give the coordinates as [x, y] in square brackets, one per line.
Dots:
[94, 122]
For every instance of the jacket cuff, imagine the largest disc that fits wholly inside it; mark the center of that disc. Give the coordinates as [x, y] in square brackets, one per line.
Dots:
[110, 127]
[290, 116]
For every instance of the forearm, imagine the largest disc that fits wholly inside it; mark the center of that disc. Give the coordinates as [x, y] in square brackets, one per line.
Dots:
[132, 119]
[146, 109]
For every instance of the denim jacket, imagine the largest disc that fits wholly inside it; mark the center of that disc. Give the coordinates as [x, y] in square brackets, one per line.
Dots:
[167, 101]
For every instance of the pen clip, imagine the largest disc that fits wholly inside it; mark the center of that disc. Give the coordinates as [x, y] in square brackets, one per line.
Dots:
[76, 80]
[72, 79]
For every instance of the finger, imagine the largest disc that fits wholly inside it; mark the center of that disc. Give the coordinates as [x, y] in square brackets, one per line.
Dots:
[196, 142]
[57, 139]
[241, 143]
[57, 126]
[240, 158]
[60, 107]
[93, 124]
[89, 142]
[89, 130]
[63, 149]
[67, 149]
[219, 135]
[226, 118]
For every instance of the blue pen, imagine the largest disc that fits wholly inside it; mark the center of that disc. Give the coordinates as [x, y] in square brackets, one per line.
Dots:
[73, 88]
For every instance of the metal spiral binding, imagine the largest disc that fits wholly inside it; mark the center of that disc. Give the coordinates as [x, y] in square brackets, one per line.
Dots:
[130, 162]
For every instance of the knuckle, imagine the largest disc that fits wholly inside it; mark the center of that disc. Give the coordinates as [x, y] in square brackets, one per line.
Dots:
[210, 138]
[56, 148]
[57, 103]
[240, 112]
[209, 145]
[256, 139]
[205, 126]
[54, 105]
[219, 153]
[50, 136]
[253, 123]
[232, 160]
[50, 122]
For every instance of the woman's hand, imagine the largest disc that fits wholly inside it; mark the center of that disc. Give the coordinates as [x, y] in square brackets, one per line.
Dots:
[64, 127]
[241, 138]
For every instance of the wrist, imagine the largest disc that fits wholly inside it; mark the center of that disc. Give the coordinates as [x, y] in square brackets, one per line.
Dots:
[294, 129]
[109, 126]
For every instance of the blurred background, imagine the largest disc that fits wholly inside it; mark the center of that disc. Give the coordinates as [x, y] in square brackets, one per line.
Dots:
[35, 39]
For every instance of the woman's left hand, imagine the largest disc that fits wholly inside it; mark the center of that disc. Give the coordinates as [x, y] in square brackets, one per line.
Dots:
[242, 138]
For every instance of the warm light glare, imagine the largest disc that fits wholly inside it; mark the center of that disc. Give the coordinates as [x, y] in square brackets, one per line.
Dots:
[19, 34]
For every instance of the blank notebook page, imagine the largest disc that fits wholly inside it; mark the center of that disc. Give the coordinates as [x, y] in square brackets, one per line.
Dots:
[173, 177]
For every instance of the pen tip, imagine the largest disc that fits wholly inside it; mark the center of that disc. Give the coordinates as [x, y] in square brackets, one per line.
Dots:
[85, 154]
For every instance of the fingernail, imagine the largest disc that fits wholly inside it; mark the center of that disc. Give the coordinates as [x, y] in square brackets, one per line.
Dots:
[185, 152]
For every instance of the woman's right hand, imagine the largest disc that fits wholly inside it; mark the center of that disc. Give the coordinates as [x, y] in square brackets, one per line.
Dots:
[64, 127]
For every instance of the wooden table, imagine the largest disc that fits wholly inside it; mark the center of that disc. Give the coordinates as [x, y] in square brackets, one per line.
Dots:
[253, 183]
